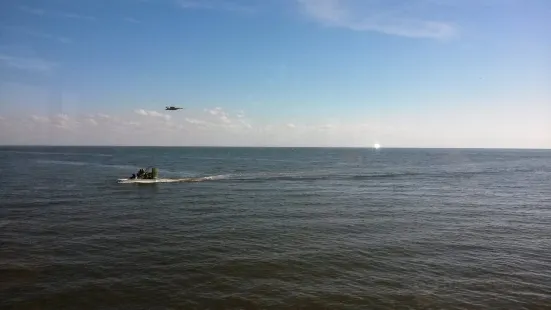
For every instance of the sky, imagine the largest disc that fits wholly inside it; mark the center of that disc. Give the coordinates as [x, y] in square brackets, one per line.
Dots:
[343, 73]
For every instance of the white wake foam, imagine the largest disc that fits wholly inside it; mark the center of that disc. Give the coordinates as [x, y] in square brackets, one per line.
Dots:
[171, 180]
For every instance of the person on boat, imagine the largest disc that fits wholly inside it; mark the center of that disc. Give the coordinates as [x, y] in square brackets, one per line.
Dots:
[133, 176]
[141, 173]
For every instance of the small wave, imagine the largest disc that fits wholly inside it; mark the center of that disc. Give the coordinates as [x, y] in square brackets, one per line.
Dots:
[121, 167]
[240, 158]
[63, 162]
[180, 176]
[316, 177]
[384, 175]
[216, 177]
[310, 177]
[82, 163]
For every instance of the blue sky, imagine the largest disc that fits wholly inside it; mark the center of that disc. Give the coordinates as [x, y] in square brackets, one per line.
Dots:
[422, 73]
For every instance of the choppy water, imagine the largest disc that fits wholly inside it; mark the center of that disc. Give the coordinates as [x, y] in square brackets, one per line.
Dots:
[275, 229]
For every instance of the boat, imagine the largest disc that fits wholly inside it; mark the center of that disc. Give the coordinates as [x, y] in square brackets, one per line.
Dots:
[149, 175]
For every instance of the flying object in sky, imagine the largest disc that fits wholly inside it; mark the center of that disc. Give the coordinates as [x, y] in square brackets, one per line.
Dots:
[173, 108]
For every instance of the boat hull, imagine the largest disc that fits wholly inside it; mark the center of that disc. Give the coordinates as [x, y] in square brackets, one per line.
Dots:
[153, 181]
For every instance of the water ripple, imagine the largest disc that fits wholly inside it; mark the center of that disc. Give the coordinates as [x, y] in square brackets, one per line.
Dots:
[281, 229]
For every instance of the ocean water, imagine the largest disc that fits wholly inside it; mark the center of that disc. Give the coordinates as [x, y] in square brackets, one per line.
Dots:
[275, 228]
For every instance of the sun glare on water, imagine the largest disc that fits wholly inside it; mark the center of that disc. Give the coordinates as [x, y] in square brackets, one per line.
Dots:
[376, 146]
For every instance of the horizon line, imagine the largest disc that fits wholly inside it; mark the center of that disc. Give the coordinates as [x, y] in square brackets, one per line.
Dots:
[267, 146]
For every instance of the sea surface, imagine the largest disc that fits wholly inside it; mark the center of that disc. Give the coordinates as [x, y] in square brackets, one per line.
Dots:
[275, 228]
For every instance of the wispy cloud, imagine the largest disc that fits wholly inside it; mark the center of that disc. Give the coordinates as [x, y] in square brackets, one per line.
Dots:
[327, 127]
[103, 116]
[375, 16]
[39, 119]
[61, 121]
[61, 14]
[131, 20]
[92, 121]
[34, 11]
[152, 114]
[462, 3]
[224, 119]
[220, 114]
[215, 111]
[206, 128]
[196, 121]
[245, 124]
[38, 34]
[25, 63]
[223, 5]
[47, 36]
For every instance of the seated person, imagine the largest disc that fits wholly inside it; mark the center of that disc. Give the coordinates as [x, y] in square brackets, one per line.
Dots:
[141, 173]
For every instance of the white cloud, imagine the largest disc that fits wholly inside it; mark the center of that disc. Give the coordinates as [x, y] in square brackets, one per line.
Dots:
[510, 126]
[141, 112]
[223, 118]
[224, 5]
[197, 121]
[42, 12]
[376, 16]
[215, 111]
[24, 63]
[38, 34]
[104, 116]
[245, 124]
[131, 20]
[152, 114]
[34, 11]
[471, 3]
[195, 4]
[64, 117]
[92, 121]
[39, 119]
[327, 127]
[60, 121]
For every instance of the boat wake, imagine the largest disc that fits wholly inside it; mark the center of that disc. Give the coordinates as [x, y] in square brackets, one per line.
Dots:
[170, 180]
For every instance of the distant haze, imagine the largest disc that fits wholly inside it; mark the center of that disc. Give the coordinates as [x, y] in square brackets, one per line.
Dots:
[409, 73]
